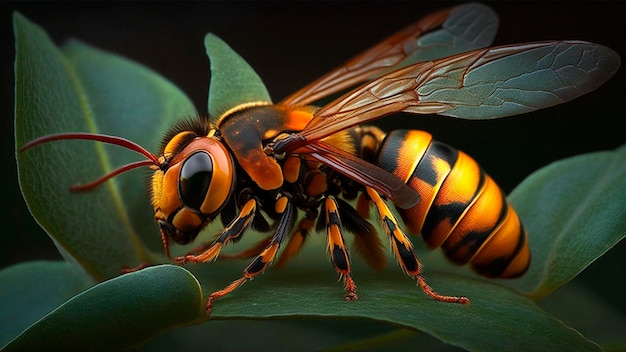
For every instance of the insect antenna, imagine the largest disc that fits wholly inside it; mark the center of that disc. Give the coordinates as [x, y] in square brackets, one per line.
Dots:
[119, 141]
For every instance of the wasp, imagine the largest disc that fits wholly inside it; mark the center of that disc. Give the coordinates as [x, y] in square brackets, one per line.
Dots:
[293, 168]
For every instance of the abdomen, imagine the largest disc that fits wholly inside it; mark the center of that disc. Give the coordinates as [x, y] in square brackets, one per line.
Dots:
[461, 209]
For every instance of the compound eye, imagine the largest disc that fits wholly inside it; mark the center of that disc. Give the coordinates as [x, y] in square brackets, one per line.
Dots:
[195, 179]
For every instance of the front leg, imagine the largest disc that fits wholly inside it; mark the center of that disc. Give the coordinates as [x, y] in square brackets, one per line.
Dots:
[233, 231]
[261, 262]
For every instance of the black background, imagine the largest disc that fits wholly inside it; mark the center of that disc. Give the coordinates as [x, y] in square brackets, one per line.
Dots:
[290, 44]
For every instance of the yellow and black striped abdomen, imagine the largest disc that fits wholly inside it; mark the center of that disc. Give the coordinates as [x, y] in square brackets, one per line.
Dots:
[461, 209]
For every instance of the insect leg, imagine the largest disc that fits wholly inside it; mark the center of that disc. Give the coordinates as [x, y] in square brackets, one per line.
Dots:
[260, 263]
[403, 249]
[336, 247]
[233, 231]
[250, 252]
[296, 240]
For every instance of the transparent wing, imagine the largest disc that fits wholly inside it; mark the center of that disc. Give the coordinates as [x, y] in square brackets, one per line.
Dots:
[480, 84]
[443, 33]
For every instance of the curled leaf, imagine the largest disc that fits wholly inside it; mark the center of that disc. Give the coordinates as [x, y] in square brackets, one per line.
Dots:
[574, 211]
[119, 314]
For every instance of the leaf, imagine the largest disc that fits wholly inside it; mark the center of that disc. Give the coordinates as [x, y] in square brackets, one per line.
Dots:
[124, 93]
[394, 299]
[146, 303]
[299, 334]
[30, 290]
[233, 81]
[84, 89]
[574, 211]
[603, 323]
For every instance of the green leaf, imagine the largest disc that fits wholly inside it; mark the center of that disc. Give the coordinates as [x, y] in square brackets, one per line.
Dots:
[124, 93]
[574, 211]
[30, 290]
[120, 314]
[85, 89]
[233, 81]
[300, 334]
[603, 323]
[392, 298]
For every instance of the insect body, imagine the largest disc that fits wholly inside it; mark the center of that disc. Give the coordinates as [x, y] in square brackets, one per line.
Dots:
[290, 168]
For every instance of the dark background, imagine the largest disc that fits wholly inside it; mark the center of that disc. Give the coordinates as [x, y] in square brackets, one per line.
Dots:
[290, 44]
